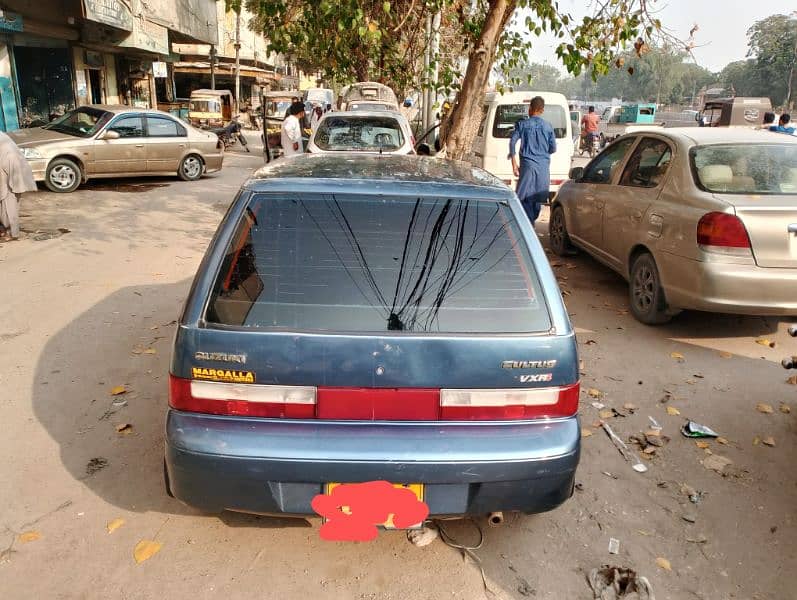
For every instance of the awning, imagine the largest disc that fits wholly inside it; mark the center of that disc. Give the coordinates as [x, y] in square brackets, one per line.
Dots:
[224, 68]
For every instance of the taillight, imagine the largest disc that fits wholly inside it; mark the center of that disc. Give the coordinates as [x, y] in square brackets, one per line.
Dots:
[371, 404]
[245, 400]
[722, 232]
[497, 405]
[557, 181]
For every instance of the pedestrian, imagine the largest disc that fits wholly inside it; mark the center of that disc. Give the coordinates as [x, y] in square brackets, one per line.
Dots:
[537, 143]
[769, 120]
[291, 134]
[15, 178]
[783, 125]
[589, 125]
[316, 116]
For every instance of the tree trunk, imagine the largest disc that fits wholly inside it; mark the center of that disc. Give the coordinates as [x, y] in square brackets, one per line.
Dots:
[464, 119]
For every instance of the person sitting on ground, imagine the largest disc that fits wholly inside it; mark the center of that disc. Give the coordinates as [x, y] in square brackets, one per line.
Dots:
[783, 125]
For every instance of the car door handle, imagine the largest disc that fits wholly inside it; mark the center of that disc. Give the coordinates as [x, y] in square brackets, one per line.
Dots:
[792, 228]
[139, 145]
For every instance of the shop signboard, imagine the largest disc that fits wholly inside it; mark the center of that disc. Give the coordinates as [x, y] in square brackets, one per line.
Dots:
[109, 12]
[10, 21]
[147, 36]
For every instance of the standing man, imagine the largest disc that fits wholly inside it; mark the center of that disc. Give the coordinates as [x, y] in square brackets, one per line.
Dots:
[15, 178]
[291, 135]
[537, 143]
[589, 125]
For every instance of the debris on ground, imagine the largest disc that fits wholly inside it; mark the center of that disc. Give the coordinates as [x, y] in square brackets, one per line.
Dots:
[664, 564]
[422, 537]
[769, 441]
[722, 441]
[715, 462]
[785, 408]
[764, 408]
[766, 342]
[701, 539]
[586, 432]
[96, 464]
[624, 450]
[614, 546]
[145, 550]
[702, 445]
[29, 536]
[696, 430]
[524, 588]
[124, 428]
[654, 424]
[598, 405]
[594, 393]
[114, 525]
[677, 356]
[695, 496]
[726, 355]
[792, 380]
[118, 390]
[689, 517]
[672, 411]
[619, 583]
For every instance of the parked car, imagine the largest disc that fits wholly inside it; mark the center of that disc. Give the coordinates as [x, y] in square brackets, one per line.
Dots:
[99, 141]
[385, 132]
[490, 149]
[363, 317]
[367, 91]
[694, 218]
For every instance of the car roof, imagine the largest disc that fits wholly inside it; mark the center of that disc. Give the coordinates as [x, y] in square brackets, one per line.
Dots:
[121, 108]
[412, 173]
[698, 136]
[365, 113]
[519, 97]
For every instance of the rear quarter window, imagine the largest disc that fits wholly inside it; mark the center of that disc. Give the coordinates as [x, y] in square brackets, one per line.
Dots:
[352, 263]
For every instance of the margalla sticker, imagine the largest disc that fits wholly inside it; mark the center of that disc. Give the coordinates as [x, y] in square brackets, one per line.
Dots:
[222, 375]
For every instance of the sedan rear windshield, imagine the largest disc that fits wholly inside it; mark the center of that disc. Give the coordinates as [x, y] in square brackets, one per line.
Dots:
[83, 122]
[359, 133]
[351, 263]
[746, 168]
[506, 115]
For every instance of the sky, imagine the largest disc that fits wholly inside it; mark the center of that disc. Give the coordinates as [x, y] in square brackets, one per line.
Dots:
[722, 34]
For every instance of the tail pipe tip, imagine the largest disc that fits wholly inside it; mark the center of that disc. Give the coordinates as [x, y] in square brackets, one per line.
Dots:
[495, 519]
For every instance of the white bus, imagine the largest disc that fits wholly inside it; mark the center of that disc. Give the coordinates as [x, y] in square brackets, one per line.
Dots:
[490, 149]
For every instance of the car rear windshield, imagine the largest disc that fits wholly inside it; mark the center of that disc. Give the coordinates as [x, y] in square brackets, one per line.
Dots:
[352, 263]
[506, 115]
[746, 168]
[359, 133]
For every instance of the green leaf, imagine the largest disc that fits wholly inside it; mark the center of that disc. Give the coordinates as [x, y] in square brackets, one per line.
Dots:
[386, 6]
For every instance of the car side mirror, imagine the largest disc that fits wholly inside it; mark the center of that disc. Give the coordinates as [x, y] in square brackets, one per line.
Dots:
[576, 173]
[110, 135]
[423, 149]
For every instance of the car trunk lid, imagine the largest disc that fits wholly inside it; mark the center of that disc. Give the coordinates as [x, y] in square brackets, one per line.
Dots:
[771, 223]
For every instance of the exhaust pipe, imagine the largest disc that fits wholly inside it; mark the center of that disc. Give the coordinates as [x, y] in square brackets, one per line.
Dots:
[495, 519]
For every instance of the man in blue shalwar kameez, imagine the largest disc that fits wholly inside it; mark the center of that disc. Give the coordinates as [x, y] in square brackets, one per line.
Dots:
[537, 143]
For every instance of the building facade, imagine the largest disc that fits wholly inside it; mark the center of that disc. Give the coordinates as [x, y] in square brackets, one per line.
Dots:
[59, 54]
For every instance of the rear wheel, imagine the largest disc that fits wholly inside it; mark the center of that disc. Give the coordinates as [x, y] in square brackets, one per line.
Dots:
[191, 168]
[63, 176]
[557, 232]
[646, 295]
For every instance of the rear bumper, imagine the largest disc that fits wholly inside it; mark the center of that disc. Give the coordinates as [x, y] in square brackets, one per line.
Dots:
[214, 162]
[277, 467]
[727, 287]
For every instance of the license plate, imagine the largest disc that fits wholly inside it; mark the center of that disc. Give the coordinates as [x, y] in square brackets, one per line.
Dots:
[415, 488]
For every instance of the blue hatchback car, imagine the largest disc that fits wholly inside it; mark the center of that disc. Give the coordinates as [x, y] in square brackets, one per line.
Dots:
[364, 318]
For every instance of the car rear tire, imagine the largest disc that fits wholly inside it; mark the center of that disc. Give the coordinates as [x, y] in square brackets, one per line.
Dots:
[191, 168]
[557, 233]
[63, 176]
[646, 296]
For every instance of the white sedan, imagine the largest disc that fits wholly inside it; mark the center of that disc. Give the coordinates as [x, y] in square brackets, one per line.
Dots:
[382, 132]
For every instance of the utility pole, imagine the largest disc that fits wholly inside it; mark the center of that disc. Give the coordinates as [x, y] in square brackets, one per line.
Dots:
[427, 94]
[238, 61]
[212, 67]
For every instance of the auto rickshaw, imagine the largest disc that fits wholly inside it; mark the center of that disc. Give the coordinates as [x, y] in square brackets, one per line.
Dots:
[734, 112]
[275, 108]
[210, 108]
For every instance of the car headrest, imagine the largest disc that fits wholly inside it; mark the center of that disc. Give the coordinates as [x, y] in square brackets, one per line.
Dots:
[715, 175]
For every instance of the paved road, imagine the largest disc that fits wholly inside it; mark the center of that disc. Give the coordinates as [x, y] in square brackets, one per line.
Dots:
[94, 308]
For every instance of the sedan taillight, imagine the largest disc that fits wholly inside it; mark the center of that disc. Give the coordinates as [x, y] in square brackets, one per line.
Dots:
[372, 404]
[723, 233]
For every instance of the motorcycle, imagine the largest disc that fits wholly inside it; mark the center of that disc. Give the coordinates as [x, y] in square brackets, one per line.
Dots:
[591, 143]
[231, 133]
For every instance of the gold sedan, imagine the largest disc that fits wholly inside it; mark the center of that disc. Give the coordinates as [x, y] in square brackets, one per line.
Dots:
[694, 218]
[112, 141]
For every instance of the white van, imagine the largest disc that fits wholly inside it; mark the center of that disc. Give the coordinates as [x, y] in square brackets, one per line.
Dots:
[490, 149]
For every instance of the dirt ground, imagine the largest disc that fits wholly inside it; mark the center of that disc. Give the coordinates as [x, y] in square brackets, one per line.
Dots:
[94, 308]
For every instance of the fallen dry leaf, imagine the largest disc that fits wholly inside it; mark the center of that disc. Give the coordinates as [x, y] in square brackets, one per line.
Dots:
[145, 550]
[586, 433]
[785, 408]
[29, 536]
[150, 351]
[664, 563]
[726, 355]
[606, 413]
[701, 445]
[593, 393]
[722, 441]
[114, 525]
[649, 450]
[629, 406]
[764, 408]
[119, 389]
[715, 462]
[653, 432]
[677, 356]
[672, 411]
[756, 441]
[766, 342]
[124, 428]
[769, 441]
[792, 380]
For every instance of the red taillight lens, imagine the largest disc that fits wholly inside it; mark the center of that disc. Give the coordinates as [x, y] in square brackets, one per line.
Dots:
[722, 230]
[246, 400]
[497, 405]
